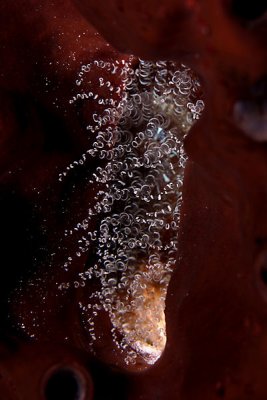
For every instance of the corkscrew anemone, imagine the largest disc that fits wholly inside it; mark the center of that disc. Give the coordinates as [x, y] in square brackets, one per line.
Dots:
[139, 149]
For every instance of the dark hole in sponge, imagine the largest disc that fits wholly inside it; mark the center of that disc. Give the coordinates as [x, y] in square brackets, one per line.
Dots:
[263, 274]
[63, 384]
[220, 391]
[249, 10]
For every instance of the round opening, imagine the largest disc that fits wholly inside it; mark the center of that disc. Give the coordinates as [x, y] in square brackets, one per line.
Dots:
[64, 384]
[220, 391]
[249, 10]
[263, 274]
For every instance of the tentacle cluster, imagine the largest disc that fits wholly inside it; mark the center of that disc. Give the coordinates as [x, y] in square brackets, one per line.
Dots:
[139, 147]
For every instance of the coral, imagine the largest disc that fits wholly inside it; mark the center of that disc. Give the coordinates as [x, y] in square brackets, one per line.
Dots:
[139, 147]
[61, 271]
